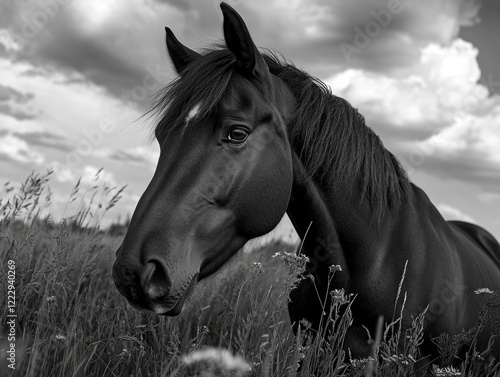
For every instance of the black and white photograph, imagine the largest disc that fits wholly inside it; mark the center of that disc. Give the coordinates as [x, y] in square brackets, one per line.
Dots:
[250, 188]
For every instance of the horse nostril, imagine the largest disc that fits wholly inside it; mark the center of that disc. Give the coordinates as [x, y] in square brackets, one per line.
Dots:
[158, 283]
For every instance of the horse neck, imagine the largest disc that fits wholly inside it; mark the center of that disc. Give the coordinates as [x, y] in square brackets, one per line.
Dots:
[337, 226]
[344, 180]
[314, 224]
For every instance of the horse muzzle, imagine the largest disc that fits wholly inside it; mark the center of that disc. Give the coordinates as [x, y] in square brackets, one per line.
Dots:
[151, 287]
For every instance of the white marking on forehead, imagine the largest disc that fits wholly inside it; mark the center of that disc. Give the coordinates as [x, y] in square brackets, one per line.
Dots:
[192, 113]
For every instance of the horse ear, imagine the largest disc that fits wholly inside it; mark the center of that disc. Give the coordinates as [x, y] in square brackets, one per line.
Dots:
[180, 55]
[240, 43]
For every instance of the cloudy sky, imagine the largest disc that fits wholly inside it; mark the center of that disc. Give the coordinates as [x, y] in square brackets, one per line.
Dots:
[76, 75]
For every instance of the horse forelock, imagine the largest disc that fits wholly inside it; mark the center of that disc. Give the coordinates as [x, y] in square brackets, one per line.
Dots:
[193, 94]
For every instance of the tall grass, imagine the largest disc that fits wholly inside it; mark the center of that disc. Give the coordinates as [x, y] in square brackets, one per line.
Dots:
[72, 321]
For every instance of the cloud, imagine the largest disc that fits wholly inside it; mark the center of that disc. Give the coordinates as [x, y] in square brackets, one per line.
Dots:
[16, 150]
[45, 139]
[469, 13]
[488, 197]
[112, 43]
[415, 100]
[137, 155]
[94, 176]
[320, 28]
[452, 213]
[13, 103]
[15, 113]
[63, 174]
[7, 93]
[436, 116]
[107, 43]
[89, 175]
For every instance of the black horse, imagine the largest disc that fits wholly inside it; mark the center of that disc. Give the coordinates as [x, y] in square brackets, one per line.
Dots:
[246, 137]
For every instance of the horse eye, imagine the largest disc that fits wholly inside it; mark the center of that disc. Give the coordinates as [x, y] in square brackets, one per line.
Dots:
[237, 135]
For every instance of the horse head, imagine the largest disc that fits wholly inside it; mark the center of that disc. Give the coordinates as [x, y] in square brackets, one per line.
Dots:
[224, 173]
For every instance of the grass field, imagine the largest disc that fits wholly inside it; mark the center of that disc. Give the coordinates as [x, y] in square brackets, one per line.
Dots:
[71, 321]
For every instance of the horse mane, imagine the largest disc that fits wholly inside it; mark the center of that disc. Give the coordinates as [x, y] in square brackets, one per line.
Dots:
[335, 144]
[202, 84]
[330, 137]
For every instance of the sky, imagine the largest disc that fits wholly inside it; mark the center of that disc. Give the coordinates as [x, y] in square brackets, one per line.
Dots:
[76, 76]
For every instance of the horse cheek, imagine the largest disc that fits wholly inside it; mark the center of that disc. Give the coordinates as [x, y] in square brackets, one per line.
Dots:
[265, 199]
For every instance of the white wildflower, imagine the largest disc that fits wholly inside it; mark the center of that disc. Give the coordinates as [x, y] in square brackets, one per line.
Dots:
[334, 268]
[217, 359]
[483, 291]
[445, 372]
